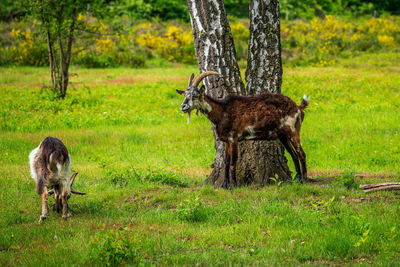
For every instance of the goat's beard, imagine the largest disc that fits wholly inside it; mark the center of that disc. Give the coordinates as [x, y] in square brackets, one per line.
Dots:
[188, 117]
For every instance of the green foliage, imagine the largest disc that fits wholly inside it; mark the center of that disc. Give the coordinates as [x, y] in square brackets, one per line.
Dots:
[276, 180]
[91, 60]
[145, 176]
[315, 42]
[177, 9]
[114, 247]
[151, 9]
[347, 179]
[133, 9]
[25, 47]
[362, 229]
[190, 210]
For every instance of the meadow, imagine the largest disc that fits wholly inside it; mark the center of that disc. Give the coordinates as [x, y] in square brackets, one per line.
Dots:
[143, 169]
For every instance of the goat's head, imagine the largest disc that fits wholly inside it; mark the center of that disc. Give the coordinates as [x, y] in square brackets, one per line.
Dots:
[71, 182]
[194, 96]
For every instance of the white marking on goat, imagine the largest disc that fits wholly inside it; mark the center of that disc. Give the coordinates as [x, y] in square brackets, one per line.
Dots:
[205, 106]
[32, 156]
[290, 121]
[250, 130]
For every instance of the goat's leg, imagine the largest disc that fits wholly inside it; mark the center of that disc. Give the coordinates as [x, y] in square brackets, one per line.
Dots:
[43, 214]
[227, 158]
[64, 199]
[233, 160]
[57, 197]
[302, 156]
[288, 146]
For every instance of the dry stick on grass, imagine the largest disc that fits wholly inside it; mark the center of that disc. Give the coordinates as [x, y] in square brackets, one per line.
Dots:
[382, 186]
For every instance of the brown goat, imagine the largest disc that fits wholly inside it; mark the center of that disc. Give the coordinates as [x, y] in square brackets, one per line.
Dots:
[50, 167]
[261, 117]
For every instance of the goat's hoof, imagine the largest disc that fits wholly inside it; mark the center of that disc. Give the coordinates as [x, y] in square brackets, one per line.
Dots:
[42, 218]
[66, 216]
[56, 208]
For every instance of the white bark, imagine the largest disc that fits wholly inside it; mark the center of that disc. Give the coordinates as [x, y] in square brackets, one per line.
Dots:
[214, 47]
[264, 67]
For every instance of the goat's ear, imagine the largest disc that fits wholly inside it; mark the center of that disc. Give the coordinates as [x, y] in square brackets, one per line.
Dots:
[202, 89]
[180, 92]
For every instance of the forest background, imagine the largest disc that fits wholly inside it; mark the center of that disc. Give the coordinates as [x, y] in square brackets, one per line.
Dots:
[152, 33]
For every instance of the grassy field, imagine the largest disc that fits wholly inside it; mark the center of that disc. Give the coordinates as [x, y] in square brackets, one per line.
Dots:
[143, 168]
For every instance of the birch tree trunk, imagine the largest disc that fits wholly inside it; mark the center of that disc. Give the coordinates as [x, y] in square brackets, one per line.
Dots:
[215, 51]
[260, 160]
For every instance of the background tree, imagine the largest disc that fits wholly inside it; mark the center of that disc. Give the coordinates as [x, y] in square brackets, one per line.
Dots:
[258, 160]
[59, 23]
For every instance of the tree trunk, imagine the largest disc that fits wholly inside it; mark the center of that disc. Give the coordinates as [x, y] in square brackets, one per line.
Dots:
[67, 59]
[215, 51]
[62, 68]
[50, 49]
[264, 65]
[264, 159]
[51, 60]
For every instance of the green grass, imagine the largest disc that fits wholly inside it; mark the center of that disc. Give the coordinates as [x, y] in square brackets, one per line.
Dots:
[143, 168]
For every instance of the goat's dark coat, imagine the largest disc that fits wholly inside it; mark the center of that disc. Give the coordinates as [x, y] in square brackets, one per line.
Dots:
[264, 112]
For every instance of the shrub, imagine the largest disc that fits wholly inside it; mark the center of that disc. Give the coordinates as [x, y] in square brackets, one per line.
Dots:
[25, 49]
[115, 246]
[190, 210]
[347, 179]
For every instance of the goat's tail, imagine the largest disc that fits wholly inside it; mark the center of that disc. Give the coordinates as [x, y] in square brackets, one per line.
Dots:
[40, 184]
[304, 103]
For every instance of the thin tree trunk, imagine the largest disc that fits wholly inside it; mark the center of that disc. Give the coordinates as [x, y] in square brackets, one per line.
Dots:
[51, 59]
[215, 51]
[68, 52]
[62, 66]
[50, 49]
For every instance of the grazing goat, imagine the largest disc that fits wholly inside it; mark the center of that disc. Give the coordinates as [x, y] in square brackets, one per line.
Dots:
[50, 167]
[261, 117]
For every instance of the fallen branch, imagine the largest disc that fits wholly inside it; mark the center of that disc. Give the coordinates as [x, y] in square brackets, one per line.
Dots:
[382, 186]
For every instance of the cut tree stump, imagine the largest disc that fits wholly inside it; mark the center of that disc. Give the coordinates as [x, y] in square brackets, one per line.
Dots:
[382, 186]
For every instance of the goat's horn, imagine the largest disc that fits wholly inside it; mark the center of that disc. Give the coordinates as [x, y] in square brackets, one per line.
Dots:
[201, 76]
[191, 79]
[72, 178]
[74, 191]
